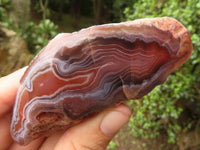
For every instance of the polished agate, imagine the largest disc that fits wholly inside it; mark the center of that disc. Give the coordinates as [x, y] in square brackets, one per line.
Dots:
[84, 72]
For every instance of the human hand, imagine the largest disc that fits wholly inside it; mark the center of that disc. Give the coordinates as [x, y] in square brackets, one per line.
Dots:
[92, 134]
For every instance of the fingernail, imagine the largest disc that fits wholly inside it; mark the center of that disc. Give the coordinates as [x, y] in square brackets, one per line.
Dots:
[113, 121]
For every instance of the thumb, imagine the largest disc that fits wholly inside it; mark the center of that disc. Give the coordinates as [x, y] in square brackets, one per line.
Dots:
[96, 132]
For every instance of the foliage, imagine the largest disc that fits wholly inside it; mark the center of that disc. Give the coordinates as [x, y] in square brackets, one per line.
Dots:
[41, 6]
[112, 145]
[4, 7]
[118, 8]
[157, 111]
[37, 36]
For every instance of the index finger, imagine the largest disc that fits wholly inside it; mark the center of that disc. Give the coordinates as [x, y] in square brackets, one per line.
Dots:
[8, 89]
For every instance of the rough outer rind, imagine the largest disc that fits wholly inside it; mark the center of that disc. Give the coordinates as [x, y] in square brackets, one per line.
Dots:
[84, 72]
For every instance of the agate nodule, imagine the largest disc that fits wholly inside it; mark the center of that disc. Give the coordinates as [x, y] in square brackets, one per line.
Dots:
[84, 72]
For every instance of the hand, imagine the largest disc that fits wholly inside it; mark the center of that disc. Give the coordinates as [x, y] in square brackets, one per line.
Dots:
[92, 134]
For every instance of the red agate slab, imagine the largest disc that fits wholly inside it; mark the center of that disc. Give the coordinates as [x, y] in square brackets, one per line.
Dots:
[84, 72]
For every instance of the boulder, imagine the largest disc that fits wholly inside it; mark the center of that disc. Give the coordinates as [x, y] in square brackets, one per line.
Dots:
[13, 52]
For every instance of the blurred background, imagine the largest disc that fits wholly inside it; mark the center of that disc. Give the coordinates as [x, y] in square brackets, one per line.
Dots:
[166, 119]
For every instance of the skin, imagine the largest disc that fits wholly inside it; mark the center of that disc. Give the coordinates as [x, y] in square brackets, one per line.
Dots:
[93, 133]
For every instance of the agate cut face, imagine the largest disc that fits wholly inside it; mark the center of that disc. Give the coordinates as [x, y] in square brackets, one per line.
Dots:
[84, 72]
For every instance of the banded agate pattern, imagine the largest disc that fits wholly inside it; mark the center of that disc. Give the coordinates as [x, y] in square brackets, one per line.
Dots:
[84, 72]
